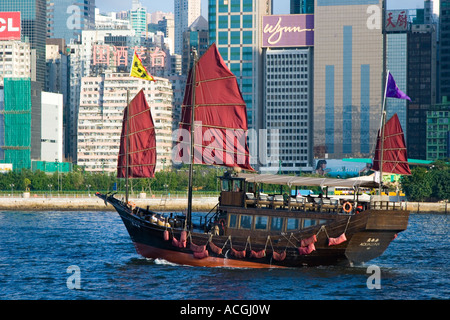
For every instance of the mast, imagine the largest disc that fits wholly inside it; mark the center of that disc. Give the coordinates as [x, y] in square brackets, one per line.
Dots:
[385, 75]
[127, 142]
[191, 164]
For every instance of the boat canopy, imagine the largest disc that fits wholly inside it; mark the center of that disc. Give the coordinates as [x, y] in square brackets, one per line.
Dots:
[363, 182]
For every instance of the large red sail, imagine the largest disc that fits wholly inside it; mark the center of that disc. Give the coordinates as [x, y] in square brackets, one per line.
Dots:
[141, 140]
[395, 158]
[220, 135]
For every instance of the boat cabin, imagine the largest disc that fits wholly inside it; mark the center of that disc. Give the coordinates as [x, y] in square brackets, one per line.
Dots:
[244, 209]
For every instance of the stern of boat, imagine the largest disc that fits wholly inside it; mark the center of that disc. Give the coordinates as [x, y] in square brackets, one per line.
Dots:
[381, 228]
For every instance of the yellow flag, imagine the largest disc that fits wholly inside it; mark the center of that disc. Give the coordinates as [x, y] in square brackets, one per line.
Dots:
[138, 70]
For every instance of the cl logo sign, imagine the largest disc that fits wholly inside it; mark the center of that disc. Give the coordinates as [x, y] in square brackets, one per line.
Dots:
[9, 27]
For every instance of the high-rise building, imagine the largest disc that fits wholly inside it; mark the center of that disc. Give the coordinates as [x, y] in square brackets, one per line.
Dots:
[235, 27]
[67, 18]
[197, 37]
[438, 131]
[15, 123]
[138, 18]
[33, 30]
[15, 60]
[421, 86]
[102, 102]
[186, 12]
[348, 69]
[288, 105]
[444, 49]
[397, 31]
[52, 127]
[302, 6]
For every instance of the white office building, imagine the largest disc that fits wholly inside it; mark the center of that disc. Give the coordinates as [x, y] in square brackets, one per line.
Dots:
[102, 102]
[186, 12]
[15, 60]
[288, 101]
[52, 127]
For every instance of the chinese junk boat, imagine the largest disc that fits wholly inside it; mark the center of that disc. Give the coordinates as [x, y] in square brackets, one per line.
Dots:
[247, 228]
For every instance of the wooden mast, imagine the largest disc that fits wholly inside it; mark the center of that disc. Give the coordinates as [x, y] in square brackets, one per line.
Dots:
[191, 164]
[127, 142]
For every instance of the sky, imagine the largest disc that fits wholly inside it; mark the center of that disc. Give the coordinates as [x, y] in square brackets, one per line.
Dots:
[280, 6]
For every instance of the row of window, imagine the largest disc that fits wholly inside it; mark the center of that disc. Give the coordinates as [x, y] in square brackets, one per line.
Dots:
[266, 223]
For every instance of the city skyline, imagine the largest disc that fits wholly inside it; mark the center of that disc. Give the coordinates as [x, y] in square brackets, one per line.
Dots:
[280, 6]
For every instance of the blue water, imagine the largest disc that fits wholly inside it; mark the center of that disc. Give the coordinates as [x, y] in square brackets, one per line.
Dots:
[36, 249]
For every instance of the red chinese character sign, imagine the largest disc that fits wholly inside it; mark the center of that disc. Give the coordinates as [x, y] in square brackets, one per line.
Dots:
[397, 20]
[116, 56]
[158, 58]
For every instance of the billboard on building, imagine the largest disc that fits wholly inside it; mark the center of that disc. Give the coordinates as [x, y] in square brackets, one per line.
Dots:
[293, 30]
[9, 25]
[342, 169]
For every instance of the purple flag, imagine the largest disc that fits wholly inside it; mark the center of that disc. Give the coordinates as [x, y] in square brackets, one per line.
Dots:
[393, 91]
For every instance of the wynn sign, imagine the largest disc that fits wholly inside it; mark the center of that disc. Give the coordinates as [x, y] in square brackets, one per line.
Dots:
[9, 25]
[294, 30]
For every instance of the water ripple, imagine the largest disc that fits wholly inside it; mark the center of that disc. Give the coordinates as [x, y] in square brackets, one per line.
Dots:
[38, 247]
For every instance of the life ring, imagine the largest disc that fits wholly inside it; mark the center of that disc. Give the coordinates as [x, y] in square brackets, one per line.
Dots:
[347, 207]
[132, 205]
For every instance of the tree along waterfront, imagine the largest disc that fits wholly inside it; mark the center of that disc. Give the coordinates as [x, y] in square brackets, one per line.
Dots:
[425, 184]
[83, 181]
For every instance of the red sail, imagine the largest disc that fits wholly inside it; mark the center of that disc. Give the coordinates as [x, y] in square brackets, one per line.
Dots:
[220, 135]
[141, 139]
[395, 158]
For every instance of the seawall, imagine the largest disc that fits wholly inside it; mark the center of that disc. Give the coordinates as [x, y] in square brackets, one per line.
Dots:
[200, 204]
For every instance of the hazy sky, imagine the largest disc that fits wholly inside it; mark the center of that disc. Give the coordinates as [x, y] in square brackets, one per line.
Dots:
[280, 6]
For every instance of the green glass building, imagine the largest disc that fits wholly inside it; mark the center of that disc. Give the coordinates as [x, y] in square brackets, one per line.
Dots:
[235, 27]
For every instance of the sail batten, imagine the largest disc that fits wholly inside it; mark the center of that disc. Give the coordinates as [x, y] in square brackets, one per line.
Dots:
[137, 141]
[220, 116]
[392, 151]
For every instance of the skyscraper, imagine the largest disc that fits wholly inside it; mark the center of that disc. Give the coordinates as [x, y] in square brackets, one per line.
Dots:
[138, 18]
[421, 86]
[348, 68]
[302, 6]
[186, 12]
[397, 29]
[444, 43]
[33, 28]
[197, 36]
[235, 27]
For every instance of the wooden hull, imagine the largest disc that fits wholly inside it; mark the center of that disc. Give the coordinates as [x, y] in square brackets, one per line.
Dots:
[368, 235]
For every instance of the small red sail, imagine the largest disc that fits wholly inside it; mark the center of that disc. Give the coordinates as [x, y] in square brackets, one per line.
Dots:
[220, 135]
[395, 158]
[141, 141]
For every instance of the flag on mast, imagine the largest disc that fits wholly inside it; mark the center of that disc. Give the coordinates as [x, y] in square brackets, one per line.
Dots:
[392, 91]
[138, 70]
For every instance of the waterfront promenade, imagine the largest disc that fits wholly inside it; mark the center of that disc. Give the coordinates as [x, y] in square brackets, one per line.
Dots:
[157, 203]
[93, 203]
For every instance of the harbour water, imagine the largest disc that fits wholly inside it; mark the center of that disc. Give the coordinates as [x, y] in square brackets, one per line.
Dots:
[43, 253]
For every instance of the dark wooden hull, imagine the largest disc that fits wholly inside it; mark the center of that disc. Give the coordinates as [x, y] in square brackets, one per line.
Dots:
[368, 235]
